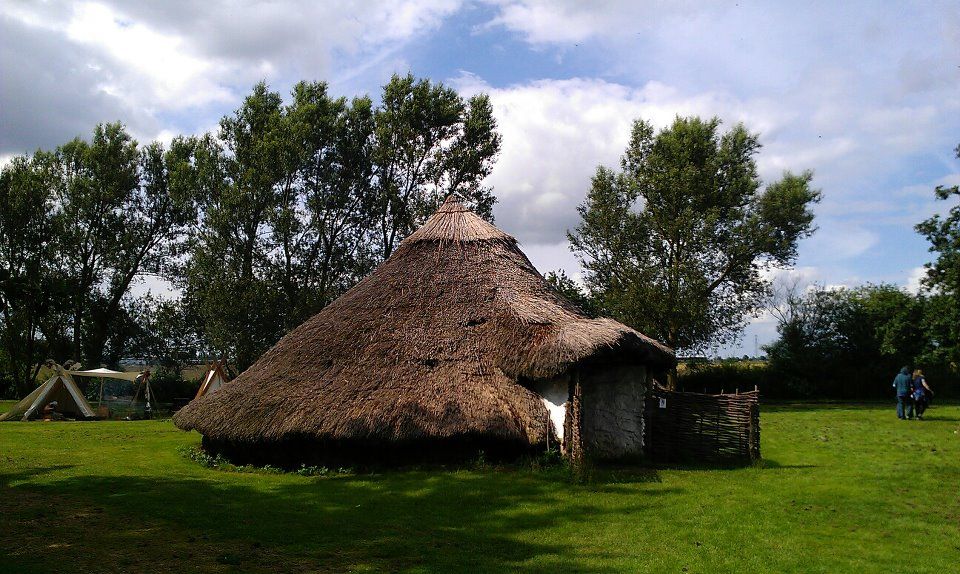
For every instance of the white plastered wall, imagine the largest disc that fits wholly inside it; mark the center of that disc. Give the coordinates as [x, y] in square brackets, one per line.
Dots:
[554, 393]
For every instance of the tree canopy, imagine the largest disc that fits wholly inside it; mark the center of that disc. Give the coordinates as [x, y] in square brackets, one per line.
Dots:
[676, 242]
[259, 225]
[850, 342]
[300, 201]
[943, 276]
[79, 225]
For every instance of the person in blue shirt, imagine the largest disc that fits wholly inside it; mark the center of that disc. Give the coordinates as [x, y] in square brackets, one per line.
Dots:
[904, 385]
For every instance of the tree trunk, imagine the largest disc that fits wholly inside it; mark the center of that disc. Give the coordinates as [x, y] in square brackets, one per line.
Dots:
[36, 373]
[96, 341]
[672, 378]
[76, 332]
[672, 371]
[30, 382]
[573, 423]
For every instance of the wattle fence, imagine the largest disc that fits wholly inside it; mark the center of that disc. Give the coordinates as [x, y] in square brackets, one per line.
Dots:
[700, 428]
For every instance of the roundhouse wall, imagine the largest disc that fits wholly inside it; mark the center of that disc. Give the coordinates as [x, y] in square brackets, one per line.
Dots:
[612, 411]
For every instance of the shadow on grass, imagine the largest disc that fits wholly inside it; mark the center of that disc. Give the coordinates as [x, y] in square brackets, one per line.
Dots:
[393, 522]
[933, 416]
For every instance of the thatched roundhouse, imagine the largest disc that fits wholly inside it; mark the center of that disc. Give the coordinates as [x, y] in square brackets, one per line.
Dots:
[454, 344]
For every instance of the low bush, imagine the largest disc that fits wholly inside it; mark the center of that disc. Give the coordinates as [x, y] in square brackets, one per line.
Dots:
[169, 384]
[714, 377]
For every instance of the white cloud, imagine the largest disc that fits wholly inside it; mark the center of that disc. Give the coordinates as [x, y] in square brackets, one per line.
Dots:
[801, 277]
[568, 21]
[152, 285]
[50, 92]
[556, 133]
[554, 257]
[903, 207]
[162, 63]
[842, 80]
[917, 274]
[165, 137]
[839, 241]
[145, 63]
[925, 190]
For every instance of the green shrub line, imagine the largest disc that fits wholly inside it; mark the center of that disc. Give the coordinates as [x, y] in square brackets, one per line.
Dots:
[848, 383]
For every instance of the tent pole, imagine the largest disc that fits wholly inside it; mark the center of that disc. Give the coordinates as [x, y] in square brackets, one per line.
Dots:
[136, 392]
[147, 393]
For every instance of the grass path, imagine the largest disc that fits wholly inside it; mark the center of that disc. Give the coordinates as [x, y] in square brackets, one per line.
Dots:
[842, 489]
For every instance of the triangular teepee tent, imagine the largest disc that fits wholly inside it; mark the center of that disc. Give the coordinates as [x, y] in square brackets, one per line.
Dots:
[61, 388]
[214, 379]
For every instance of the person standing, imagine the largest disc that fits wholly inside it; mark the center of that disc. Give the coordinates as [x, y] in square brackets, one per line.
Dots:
[903, 383]
[921, 393]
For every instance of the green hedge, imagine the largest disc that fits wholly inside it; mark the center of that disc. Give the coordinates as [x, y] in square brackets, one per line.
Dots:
[852, 383]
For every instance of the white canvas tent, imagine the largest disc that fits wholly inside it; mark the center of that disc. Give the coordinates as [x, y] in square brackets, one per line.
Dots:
[134, 377]
[70, 400]
[215, 378]
[106, 373]
[59, 388]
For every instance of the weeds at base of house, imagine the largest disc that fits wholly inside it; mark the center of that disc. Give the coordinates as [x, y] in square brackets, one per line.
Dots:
[218, 462]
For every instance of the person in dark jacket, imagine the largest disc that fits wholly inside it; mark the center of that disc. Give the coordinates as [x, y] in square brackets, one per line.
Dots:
[921, 392]
[904, 385]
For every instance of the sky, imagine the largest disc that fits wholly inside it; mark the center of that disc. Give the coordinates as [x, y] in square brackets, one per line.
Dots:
[865, 94]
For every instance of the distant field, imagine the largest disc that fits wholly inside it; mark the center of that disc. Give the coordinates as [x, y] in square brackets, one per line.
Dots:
[842, 489]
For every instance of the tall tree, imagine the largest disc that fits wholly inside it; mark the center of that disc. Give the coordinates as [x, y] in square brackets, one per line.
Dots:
[572, 291]
[325, 208]
[28, 280]
[157, 215]
[286, 215]
[675, 243]
[429, 142]
[116, 220]
[95, 178]
[300, 201]
[240, 176]
[943, 276]
[164, 334]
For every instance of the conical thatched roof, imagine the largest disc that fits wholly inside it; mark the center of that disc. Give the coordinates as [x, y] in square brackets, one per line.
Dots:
[431, 345]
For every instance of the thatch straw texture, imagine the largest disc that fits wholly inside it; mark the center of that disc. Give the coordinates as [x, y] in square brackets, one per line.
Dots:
[430, 346]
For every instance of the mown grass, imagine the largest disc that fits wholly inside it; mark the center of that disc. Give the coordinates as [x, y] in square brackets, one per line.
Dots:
[842, 489]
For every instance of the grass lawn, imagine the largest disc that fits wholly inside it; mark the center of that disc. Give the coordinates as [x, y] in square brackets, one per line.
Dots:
[842, 489]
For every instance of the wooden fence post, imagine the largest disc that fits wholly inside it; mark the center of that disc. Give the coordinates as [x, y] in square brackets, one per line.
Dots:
[573, 436]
